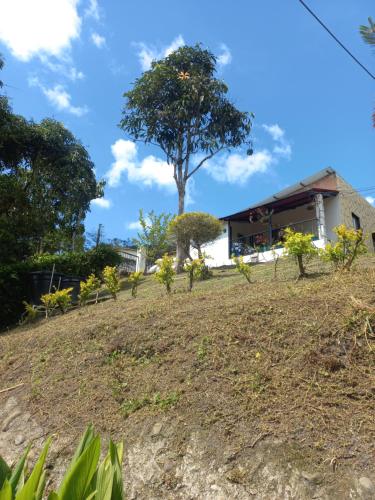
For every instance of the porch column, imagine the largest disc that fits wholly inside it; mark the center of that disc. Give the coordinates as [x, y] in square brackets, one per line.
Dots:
[320, 215]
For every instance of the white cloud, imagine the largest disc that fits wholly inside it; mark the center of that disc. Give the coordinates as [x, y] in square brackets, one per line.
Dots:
[134, 226]
[148, 172]
[225, 57]
[39, 27]
[93, 10]
[59, 97]
[174, 45]
[70, 72]
[275, 131]
[102, 203]
[371, 200]
[148, 53]
[98, 40]
[282, 147]
[237, 168]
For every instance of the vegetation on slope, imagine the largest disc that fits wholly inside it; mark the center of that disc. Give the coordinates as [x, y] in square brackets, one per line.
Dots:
[283, 358]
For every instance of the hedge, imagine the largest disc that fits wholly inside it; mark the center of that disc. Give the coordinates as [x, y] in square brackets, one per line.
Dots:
[14, 278]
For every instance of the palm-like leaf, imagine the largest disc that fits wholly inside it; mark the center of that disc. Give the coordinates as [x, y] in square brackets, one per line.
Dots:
[368, 32]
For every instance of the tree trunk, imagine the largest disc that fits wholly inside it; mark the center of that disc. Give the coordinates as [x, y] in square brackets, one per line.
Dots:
[180, 253]
[302, 273]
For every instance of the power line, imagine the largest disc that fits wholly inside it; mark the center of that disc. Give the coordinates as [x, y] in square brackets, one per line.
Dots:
[336, 39]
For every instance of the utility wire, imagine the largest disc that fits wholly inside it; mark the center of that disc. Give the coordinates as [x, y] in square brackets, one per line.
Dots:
[336, 39]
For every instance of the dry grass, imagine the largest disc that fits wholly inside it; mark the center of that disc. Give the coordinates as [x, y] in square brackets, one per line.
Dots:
[293, 360]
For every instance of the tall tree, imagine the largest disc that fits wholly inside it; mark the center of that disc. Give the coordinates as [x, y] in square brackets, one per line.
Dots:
[49, 181]
[183, 108]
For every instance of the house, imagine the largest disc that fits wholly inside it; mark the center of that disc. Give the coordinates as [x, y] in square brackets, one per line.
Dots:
[133, 259]
[314, 205]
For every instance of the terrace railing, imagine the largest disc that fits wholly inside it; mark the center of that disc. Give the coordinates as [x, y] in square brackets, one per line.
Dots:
[260, 242]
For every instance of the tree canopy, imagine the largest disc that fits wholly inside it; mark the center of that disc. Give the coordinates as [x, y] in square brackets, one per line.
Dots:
[47, 181]
[194, 229]
[153, 236]
[183, 108]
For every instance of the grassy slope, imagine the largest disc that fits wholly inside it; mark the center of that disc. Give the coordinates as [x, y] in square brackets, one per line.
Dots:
[278, 357]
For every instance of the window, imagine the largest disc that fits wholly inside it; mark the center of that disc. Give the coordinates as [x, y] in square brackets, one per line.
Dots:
[356, 221]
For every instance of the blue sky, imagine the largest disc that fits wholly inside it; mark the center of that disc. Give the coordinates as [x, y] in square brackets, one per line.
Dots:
[74, 59]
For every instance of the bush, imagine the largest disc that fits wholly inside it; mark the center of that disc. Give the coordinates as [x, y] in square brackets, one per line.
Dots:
[134, 279]
[195, 229]
[166, 273]
[195, 268]
[79, 263]
[91, 285]
[301, 246]
[111, 280]
[60, 299]
[345, 251]
[84, 477]
[242, 267]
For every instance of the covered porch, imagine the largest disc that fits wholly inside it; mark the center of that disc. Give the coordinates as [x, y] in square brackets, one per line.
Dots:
[257, 229]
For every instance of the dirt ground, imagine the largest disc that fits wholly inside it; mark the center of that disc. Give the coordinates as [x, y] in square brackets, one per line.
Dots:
[292, 361]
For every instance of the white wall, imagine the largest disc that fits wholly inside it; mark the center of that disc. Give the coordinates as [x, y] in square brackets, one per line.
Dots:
[218, 250]
[332, 215]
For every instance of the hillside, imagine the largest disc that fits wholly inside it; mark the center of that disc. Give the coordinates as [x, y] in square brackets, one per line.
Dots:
[264, 390]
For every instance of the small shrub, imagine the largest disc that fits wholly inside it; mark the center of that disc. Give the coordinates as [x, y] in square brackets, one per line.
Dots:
[202, 350]
[300, 246]
[242, 267]
[111, 280]
[195, 270]
[86, 288]
[345, 251]
[30, 314]
[166, 273]
[134, 279]
[60, 299]
[84, 477]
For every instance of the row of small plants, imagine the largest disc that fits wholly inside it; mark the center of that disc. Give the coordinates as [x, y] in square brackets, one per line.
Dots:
[349, 246]
[61, 300]
[85, 478]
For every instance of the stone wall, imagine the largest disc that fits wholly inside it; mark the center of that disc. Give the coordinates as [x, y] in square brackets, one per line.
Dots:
[353, 202]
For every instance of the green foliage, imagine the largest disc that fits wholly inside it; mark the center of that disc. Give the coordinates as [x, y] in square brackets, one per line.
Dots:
[368, 32]
[31, 313]
[242, 267]
[134, 279]
[203, 346]
[181, 106]
[14, 278]
[60, 299]
[48, 180]
[79, 263]
[88, 287]
[111, 280]
[299, 245]
[156, 401]
[166, 273]
[195, 269]
[347, 249]
[153, 237]
[194, 229]
[84, 478]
